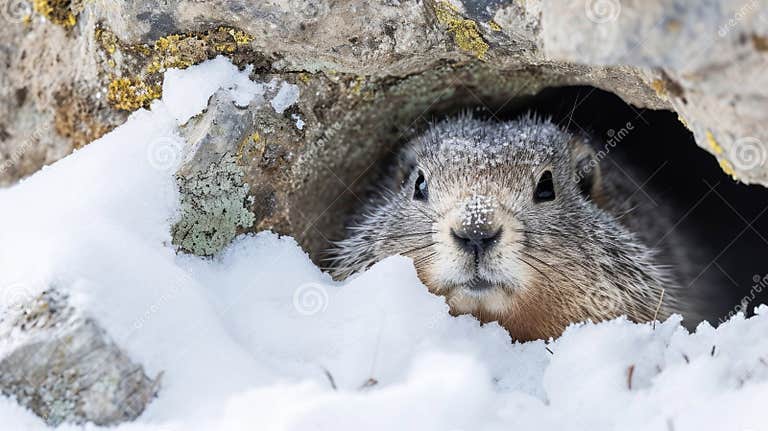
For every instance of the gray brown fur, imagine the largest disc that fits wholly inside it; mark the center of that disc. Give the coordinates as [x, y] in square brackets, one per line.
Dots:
[597, 251]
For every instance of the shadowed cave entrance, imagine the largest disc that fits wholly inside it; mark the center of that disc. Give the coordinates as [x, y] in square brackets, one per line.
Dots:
[728, 217]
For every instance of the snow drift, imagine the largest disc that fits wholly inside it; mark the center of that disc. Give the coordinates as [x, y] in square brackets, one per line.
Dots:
[259, 338]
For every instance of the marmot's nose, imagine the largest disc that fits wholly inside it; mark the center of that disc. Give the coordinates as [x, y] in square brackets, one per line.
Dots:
[476, 240]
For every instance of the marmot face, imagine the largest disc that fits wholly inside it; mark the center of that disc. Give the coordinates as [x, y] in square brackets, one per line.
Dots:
[507, 221]
[483, 190]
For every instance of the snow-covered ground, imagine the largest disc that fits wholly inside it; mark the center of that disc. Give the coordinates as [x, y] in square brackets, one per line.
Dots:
[258, 337]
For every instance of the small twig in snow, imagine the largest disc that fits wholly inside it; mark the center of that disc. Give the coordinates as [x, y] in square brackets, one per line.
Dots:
[630, 372]
[330, 378]
[368, 384]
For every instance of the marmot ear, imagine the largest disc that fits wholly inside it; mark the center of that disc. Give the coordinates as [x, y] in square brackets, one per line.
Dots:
[586, 167]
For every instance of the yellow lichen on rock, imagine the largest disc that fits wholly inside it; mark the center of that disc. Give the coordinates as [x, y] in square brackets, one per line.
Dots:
[248, 147]
[465, 31]
[239, 38]
[659, 87]
[304, 77]
[57, 11]
[183, 50]
[716, 148]
[357, 85]
[131, 93]
[726, 166]
[176, 51]
[147, 62]
[76, 117]
[106, 39]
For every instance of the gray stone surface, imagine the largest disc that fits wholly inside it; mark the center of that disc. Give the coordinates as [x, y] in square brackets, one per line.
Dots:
[369, 72]
[65, 368]
[706, 59]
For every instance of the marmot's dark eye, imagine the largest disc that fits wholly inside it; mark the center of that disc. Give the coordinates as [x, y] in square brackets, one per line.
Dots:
[420, 189]
[545, 189]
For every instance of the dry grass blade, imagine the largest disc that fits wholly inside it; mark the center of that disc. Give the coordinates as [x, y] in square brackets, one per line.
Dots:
[658, 307]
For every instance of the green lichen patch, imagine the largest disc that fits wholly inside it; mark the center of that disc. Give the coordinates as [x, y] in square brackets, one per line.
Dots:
[213, 207]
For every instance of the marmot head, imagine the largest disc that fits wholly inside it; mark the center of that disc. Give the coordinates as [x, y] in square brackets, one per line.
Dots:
[504, 219]
[481, 189]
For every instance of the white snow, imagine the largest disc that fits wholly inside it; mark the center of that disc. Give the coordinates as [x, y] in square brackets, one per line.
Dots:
[483, 144]
[248, 340]
[478, 210]
[299, 122]
[186, 92]
[286, 96]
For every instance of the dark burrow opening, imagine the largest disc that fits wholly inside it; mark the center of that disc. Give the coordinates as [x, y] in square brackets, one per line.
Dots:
[727, 217]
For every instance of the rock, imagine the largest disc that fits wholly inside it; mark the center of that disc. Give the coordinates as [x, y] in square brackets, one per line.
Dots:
[72, 73]
[227, 144]
[64, 367]
[707, 60]
[703, 60]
